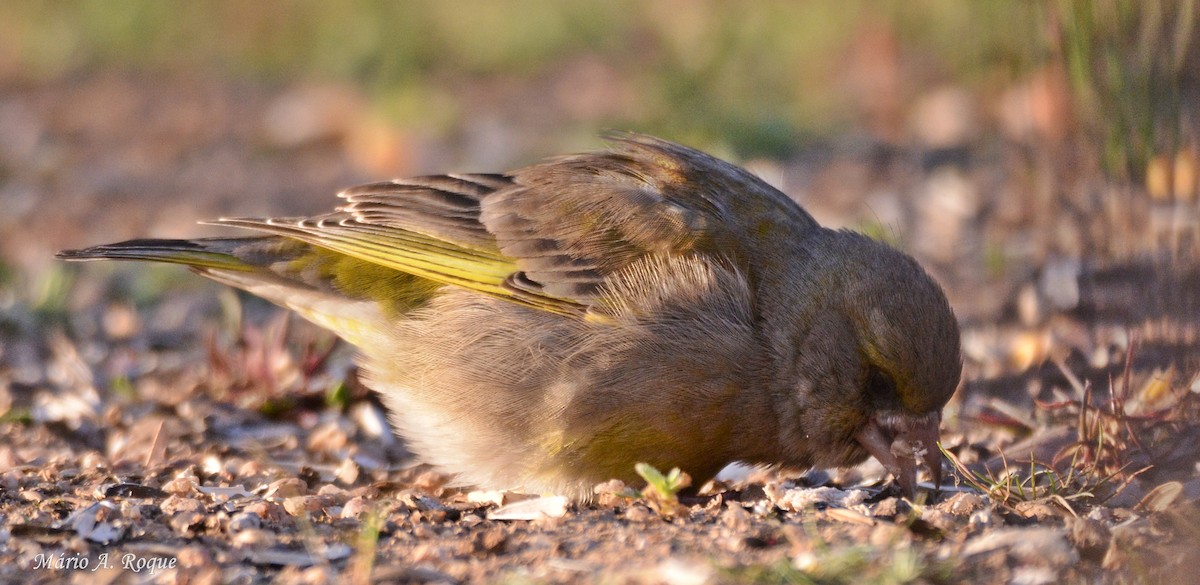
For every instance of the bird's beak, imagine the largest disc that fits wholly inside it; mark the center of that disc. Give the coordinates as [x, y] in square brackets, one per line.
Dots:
[900, 442]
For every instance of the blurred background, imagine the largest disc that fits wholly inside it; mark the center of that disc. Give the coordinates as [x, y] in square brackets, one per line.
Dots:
[1038, 156]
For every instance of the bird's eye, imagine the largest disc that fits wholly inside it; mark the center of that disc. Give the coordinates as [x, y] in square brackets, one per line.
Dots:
[880, 385]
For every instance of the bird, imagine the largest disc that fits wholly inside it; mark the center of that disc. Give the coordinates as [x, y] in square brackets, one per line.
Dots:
[544, 330]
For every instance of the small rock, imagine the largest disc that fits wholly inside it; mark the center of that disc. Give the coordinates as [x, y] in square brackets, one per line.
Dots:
[244, 521]
[249, 469]
[176, 504]
[183, 522]
[612, 493]
[211, 465]
[984, 519]
[332, 492]
[220, 494]
[421, 502]
[487, 498]
[425, 552]
[1089, 536]
[1161, 497]
[32, 496]
[639, 513]
[94, 523]
[736, 518]
[180, 486]
[194, 557]
[535, 509]
[675, 571]
[1103, 515]
[354, 507]
[891, 508]
[1037, 509]
[430, 481]
[303, 505]
[347, 472]
[773, 491]
[10, 481]
[316, 575]
[373, 422]
[92, 460]
[963, 504]
[489, 541]
[131, 490]
[850, 516]
[287, 488]
[268, 511]
[366, 491]
[253, 539]
[938, 519]
[1039, 546]
[328, 438]
[800, 499]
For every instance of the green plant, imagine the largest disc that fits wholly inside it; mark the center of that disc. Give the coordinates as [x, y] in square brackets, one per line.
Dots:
[1116, 439]
[663, 487]
[366, 542]
[1016, 484]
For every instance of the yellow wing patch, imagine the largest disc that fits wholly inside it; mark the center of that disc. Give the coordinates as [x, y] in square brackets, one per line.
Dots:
[410, 252]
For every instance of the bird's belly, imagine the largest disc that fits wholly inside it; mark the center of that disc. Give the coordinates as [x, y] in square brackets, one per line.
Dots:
[509, 398]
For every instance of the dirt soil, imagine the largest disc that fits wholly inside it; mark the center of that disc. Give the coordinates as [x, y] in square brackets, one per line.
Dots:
[155, 428]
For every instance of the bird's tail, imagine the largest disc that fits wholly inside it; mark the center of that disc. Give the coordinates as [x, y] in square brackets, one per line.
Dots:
[351, 297]
[218, 253]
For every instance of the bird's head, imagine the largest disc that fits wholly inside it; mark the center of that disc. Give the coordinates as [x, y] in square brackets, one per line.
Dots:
[880, 359]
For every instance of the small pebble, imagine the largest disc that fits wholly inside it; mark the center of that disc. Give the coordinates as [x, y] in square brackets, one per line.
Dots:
[287, 488]
[640, 513]
[244, 521]
[253, 538]
[354, 507]
[303, 505]
[963, 504]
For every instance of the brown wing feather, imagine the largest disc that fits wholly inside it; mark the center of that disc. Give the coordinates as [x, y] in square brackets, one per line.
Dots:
[573, 221]
[556, 231]
[441, 206]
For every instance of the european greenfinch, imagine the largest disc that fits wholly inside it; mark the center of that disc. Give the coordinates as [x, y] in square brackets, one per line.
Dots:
[546, 329]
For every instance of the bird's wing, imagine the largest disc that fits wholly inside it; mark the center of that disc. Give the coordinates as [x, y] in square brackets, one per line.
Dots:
[551, 234]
